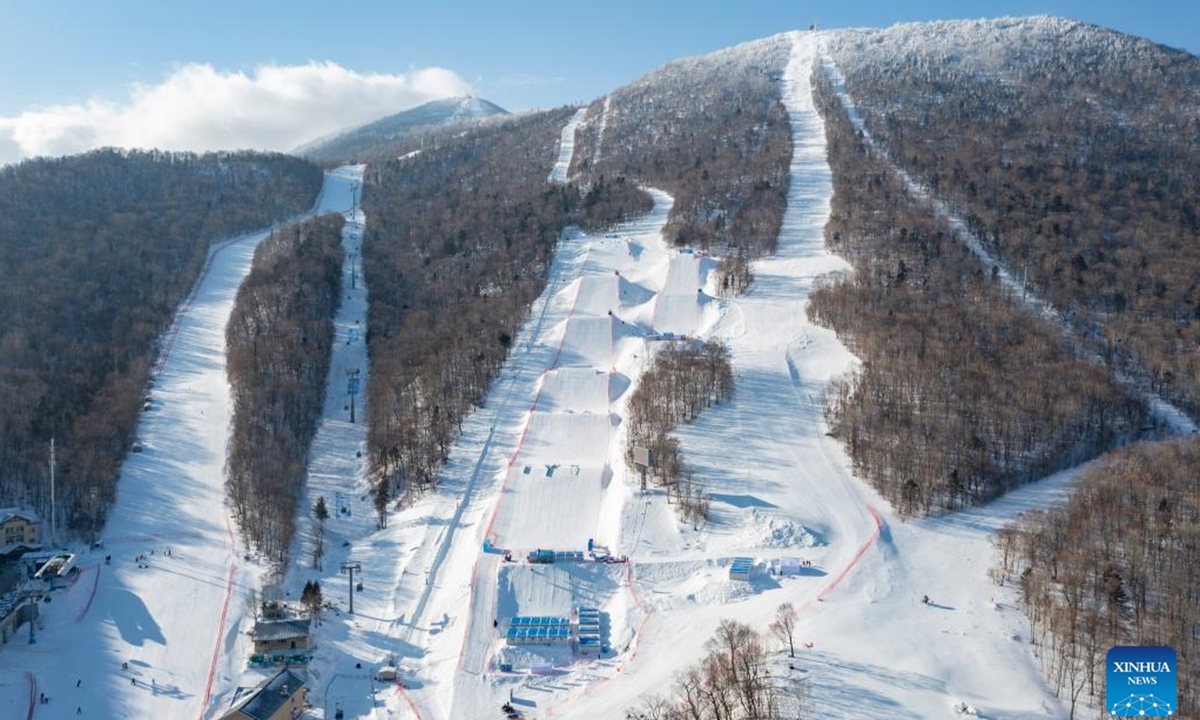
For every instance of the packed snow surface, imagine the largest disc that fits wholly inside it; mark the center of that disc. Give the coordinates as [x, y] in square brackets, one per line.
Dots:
[566, 148]
[541, 465]
[174, 600]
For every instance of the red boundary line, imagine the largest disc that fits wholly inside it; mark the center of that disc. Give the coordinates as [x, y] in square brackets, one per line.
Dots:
[32, 680]
[173, 331]
[462, 650]
[411, 705]
[212, 668]
[83, 613]
[862, 551]
[635, 644]
[857, 556]
[489, 534]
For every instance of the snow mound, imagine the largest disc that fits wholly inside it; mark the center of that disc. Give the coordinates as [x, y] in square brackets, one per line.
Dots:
[774, 531]
[726, 592]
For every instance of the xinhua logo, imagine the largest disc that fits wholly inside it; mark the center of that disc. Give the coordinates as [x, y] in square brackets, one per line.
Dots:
[1140, 682]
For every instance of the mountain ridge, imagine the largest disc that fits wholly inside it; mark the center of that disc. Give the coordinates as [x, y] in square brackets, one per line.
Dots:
[436, 113]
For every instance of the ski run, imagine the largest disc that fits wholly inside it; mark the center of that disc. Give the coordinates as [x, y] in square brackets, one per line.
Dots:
[162, 631]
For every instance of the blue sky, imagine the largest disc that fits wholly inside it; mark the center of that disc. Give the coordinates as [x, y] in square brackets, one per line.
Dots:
[520, 54]
[82, 73]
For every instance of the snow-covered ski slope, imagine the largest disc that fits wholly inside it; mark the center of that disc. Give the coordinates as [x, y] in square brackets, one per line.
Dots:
[175, 618]
[783, 488]
[566, 148]
[551, 462]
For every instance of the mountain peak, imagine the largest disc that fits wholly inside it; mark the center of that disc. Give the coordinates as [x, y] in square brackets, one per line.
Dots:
[433, 114]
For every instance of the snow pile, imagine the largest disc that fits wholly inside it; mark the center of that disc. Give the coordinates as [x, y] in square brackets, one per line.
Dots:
[774, 531]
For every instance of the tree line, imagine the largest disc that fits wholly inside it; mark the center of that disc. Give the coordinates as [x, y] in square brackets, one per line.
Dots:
[98, 250]
[278, 342]
[458, 245]
[1117, 564]
[733, 680]
[683, 380]
[713, 133]
[961, 395]
[1075, 165]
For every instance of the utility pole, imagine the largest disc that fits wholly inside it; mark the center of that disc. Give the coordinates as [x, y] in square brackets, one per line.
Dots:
[351, 567]
[52, 522]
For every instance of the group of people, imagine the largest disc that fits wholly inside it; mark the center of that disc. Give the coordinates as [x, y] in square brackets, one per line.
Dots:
[143, 561]
[44, 699]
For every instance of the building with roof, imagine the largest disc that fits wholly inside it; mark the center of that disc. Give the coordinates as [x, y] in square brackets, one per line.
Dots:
[287, 633]
[19, 527]
[282, 697]
[741, 568]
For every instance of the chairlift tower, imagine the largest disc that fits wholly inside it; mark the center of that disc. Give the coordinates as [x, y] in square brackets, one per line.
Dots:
[351, 568]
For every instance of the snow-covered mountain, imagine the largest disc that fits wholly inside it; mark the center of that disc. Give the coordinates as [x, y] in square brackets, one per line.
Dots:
[847, 212]
[437, 113]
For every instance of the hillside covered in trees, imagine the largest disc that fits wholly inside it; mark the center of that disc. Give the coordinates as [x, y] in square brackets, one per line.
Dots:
[712, 132]
[279, 337]
[962, 394]
[1071, 150]
[98, 250]
[1118, 564]
[458, 244]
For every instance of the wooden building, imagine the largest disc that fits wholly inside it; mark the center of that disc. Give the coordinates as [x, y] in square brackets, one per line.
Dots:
[271, 635]
[19, 527]
[282, 697]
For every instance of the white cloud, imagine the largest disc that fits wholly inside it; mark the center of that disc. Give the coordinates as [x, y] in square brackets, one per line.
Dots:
[275, 107]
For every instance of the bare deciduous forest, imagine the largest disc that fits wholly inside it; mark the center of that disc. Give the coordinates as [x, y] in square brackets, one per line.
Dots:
[458, 246]
[731, 682]
[961, 394]
[710, 131]
[1077, 167]
[682, 381]
[1118, 564]
[98, 250]
[278, 341]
